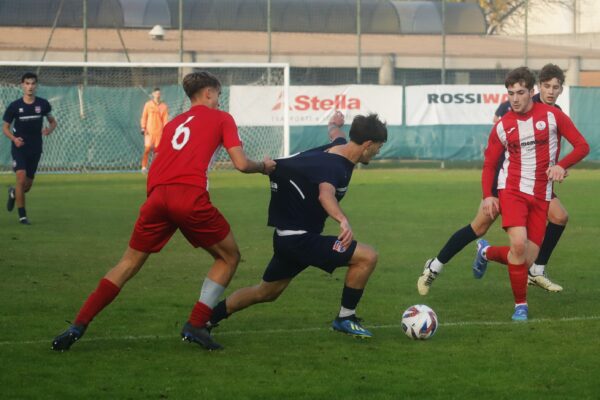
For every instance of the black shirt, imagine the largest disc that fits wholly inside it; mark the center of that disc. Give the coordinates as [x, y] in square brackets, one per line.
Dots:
[295, 183]
[28, 121]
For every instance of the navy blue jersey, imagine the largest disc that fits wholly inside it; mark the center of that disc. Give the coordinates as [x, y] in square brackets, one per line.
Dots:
[28, 121]
[505, 107]
[295, 183]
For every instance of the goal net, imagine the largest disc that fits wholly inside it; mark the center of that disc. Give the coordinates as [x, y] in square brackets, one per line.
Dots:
[98, 108]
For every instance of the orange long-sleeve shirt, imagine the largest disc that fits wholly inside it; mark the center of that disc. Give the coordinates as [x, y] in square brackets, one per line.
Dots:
[154, 117]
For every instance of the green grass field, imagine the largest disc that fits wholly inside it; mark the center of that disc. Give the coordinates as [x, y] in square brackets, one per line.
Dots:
[285, 350]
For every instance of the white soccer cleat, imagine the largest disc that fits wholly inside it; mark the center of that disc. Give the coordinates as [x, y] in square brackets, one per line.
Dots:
[543, 282]
[426, 278]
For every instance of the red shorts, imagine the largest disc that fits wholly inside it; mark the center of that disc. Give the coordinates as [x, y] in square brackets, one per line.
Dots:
[520, 209]
[184, 207]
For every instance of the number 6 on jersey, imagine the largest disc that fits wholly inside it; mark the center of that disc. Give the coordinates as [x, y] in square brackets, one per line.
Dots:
[181, 130]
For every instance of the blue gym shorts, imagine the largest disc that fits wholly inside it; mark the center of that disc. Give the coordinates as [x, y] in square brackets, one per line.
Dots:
[294, 253]
[27, 159]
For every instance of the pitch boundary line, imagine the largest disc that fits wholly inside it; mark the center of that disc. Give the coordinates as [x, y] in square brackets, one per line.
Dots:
[316, 329]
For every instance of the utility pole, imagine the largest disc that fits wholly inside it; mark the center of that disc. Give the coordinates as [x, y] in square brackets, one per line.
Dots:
[358, 44]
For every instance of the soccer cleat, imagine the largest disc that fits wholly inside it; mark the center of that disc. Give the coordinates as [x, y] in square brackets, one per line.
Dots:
[65, 340]
[426, 278]
[480, 263]
[543, 282]
[144, 170]
[200, 336]
[350, 326]
[521, 312]
[24, 221]
[10, 203]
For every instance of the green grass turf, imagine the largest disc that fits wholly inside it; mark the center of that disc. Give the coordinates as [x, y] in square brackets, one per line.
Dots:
[284, 350]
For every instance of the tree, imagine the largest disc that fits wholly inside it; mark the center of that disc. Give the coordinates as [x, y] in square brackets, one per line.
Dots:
[499, 13]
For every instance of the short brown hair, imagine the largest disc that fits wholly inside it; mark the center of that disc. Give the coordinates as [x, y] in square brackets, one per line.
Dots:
[196, 81]
[368, 127]
[522, 75]
[551, 71]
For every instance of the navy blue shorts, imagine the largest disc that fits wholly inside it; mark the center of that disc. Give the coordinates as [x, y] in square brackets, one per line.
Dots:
[25, 159]
[294, 253]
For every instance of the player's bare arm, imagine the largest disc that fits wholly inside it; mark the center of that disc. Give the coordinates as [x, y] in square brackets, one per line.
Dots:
[333, 209]
[16, 140]
[49, 129]
[334, 126]
[243, 164]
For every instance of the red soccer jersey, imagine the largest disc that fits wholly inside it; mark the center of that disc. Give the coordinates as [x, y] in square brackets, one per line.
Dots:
[531, 144]
[188, 145]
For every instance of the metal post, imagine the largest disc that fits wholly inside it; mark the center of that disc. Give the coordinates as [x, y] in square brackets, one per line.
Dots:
[60, 6]
[269, 55]
[358, 45]
[180, 69]
[443, 42]
[85, 42]
[180, 30]
[526, 33]
[575, 16]
[269, 29]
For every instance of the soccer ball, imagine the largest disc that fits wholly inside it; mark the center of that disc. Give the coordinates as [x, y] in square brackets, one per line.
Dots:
[419, 322]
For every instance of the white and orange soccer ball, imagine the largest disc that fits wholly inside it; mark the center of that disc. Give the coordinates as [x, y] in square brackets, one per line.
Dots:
[419, 322]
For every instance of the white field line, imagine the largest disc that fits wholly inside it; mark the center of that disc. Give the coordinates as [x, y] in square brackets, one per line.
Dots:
[220, 332]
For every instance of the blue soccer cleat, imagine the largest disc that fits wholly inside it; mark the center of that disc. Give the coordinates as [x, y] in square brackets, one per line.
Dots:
[200, 336]
[65, 340]
[521, 313]
[351, 326]
[480, 263]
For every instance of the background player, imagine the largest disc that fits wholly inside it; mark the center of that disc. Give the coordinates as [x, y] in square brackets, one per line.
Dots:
[28, 114]
[529, 135]
[551, 79]
[305, 190]
[154, 117]
[178, 199]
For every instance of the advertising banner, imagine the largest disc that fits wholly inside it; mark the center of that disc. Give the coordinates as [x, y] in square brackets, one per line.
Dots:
[313, 105]
[458, 104]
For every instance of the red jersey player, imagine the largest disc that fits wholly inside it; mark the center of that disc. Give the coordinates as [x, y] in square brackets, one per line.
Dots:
[529, 136]
[178, 199]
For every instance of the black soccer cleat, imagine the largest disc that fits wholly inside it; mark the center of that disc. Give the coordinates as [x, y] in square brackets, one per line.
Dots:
[10, 203]
[201, 336]
[65, 340]
[24, 221]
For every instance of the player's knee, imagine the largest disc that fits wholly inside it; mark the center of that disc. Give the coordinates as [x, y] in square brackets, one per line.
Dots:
[372, 258]
[368, 259]
[519, 248]
[559, 218]
[234, 258]
[480, 228]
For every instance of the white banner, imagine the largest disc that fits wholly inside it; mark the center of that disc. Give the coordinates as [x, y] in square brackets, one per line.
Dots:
[458, 104]
[313, 105]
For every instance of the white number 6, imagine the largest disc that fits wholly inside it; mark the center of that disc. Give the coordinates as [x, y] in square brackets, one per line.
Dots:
[181, 130]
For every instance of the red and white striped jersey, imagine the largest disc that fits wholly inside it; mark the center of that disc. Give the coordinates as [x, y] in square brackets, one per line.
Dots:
[531, 144]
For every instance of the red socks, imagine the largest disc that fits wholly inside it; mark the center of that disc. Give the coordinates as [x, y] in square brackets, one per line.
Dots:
[104, 294]
[200, 315]
[518, 282]
[498, 254]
